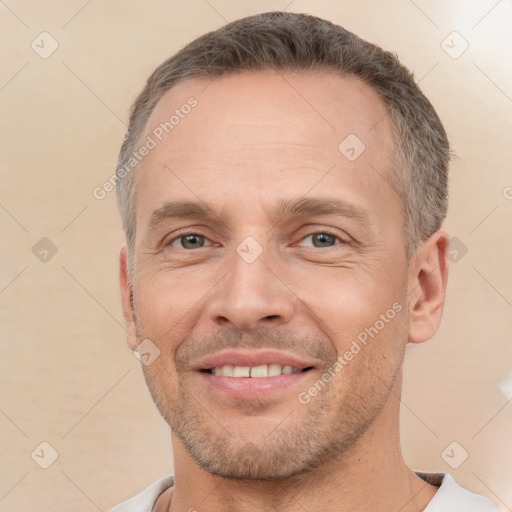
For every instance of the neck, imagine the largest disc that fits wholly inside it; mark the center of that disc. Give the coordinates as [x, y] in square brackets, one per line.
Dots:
[373, 476]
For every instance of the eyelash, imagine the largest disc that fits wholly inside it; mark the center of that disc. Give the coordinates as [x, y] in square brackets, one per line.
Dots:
[323, 232]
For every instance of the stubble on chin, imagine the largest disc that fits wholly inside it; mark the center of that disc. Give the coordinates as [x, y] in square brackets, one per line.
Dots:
[308, 435]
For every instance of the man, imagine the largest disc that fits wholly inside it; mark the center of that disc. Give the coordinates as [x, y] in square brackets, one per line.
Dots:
[282, 187]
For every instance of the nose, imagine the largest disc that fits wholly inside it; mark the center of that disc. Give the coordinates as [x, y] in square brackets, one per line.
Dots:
[251, 296]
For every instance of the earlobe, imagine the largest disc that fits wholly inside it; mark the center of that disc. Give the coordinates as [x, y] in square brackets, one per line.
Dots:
[427, 287]
[127, 298]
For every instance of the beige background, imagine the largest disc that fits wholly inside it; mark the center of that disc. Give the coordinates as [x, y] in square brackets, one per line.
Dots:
[66, 375]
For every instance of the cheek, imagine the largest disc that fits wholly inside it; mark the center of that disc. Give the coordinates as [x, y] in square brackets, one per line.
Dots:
[167, 302]
[169, 305]
[346, 302]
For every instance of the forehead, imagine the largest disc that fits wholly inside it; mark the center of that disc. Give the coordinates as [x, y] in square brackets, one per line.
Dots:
[316, 102]
[279, 133]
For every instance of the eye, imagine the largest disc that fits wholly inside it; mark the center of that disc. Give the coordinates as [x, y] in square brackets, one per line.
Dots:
[323, 239]
[188, 241]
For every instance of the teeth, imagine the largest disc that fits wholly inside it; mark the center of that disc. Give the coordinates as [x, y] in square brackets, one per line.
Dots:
[227, 370]
[274, 370]
[241, 371]
[259, 371]
[264, 370]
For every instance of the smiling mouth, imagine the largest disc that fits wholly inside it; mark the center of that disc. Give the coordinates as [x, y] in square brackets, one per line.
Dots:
[260, 371]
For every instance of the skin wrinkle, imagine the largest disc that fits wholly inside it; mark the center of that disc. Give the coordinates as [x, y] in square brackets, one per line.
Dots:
[277, 452]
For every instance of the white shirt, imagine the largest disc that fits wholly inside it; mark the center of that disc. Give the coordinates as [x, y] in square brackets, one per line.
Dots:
[450, 497]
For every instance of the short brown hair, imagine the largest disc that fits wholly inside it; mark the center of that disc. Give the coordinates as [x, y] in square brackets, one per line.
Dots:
[289, 41]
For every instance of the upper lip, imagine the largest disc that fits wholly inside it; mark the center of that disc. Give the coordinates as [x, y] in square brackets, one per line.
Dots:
[251, 358]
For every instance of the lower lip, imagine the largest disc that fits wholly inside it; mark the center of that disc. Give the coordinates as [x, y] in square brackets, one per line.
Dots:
[252, 387]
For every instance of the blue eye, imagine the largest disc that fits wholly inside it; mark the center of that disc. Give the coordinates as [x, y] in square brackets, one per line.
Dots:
[323, 239]
[192, 241]
[189, 241]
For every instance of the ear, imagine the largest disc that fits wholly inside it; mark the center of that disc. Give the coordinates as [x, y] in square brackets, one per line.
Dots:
[126, 298]
[428, 275]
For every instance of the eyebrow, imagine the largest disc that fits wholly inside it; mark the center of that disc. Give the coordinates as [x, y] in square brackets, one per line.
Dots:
[181, 210]
[302, 207]
[305, 207]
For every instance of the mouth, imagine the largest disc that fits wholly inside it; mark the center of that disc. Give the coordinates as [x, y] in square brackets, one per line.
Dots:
[252, 374]
[260, 371]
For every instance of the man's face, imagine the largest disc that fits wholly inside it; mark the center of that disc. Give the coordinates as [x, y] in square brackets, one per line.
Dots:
[259, 281]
